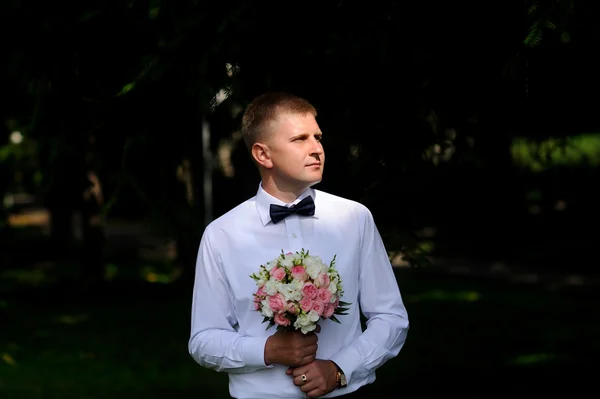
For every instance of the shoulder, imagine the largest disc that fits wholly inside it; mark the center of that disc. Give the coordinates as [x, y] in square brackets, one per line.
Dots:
[231, 219]
[338, 203]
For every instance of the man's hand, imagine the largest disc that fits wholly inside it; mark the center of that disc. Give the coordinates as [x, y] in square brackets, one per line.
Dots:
[320, 377]
[291, 348]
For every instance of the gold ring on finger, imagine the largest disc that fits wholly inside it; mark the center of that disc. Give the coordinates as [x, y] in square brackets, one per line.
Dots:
[303, 376]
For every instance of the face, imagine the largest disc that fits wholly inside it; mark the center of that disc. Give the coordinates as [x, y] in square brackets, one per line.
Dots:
[293, 153]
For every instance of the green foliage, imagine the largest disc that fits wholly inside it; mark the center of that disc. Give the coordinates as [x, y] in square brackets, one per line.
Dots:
[571, 151]
[102, 355]
[553, 15]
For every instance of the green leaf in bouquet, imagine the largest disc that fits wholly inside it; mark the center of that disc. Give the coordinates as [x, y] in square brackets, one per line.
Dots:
[332, 264]
[333, 318]
[342, 303]
[271, 324]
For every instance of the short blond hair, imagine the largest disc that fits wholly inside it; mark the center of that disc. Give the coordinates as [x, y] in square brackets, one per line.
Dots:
[265, 108]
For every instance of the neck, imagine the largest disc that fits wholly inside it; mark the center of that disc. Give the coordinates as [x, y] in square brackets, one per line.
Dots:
[281, 192]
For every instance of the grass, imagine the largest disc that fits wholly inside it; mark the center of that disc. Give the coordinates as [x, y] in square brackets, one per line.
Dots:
[129, 340]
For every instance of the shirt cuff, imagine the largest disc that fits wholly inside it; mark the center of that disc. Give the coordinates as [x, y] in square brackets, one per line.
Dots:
[349, 361]
[253, 351]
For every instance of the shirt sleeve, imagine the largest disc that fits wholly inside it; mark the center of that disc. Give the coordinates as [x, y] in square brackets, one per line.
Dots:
[214, 342]
[381, 303]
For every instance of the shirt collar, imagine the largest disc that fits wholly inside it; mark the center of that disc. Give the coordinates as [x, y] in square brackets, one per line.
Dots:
[264, 201]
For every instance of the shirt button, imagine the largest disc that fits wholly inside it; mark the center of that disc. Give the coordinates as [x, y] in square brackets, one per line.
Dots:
[294, 235]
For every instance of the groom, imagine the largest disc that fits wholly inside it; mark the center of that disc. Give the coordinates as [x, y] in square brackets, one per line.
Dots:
[227, 334]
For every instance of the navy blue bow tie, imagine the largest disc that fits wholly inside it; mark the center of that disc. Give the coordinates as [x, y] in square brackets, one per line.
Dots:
[306, 207]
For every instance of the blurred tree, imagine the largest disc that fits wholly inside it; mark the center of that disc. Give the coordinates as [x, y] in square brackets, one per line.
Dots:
[419, 102]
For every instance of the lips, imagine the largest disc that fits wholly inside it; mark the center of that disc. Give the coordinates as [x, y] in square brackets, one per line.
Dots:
[314, 164]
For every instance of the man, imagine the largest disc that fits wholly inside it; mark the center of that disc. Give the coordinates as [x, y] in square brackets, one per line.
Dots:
[227, 334]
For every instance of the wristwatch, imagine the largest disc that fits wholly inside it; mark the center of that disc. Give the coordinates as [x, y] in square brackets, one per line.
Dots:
[340, 377]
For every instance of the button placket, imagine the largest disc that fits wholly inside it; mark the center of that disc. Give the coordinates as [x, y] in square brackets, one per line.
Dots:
[292, 225]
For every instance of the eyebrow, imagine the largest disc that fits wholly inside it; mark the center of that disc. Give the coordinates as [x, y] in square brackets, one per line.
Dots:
[306, 134]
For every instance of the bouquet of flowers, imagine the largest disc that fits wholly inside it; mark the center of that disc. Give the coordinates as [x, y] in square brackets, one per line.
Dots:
[297, 290]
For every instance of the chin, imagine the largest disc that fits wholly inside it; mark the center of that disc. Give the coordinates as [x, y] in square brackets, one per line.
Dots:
[315, 182]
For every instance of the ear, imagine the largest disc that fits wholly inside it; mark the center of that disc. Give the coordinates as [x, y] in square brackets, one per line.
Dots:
[262, 156]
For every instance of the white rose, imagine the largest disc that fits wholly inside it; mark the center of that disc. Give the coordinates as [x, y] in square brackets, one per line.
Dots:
[297, 286]
[263, 277]
[297, 258]
[333, 286]
[313, 268]
[291, 291]
[287, 261]
[309, 328]
[313, 316]
[266, 309]
[270, 265]
[272, 286]
[301, 321]
[305, 322]
[260, 282]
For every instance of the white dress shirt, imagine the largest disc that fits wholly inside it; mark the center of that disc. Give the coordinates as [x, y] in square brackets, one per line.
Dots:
[227, 334]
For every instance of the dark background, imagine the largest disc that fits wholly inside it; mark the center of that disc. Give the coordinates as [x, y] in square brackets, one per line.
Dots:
[468, 128]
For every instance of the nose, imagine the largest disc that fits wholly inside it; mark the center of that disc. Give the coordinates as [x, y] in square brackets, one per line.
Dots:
[317, 147]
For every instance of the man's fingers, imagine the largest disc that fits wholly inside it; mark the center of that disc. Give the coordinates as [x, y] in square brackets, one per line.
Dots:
[289, 371]
[310, 350]
[318, 329]
[312, 339]
[298, 371]
[315, 393]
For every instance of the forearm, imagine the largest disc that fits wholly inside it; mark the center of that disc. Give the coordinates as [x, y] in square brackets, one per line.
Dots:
[228, 351]
[214, 342]
[381, 341]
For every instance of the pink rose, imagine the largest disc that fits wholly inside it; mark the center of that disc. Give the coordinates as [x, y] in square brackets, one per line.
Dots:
[306, 304]
[336, 303]
[289, 253]
[281, 320]
[292, 308]
[318, 307]
[299, 273]
[324, 295]
[310, 290]
[278, 273]
[328, 312]
[322, 280]
[277, 303]
[259, 296]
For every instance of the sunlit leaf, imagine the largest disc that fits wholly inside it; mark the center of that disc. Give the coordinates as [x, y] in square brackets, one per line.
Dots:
[8, 359]
[87, 355]
[110, 271]
[571, 152]
[440, 295]
[565, 37]
[71, 319]
[533, 358]
[154, 9]
[34, 277]
[126, 89]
